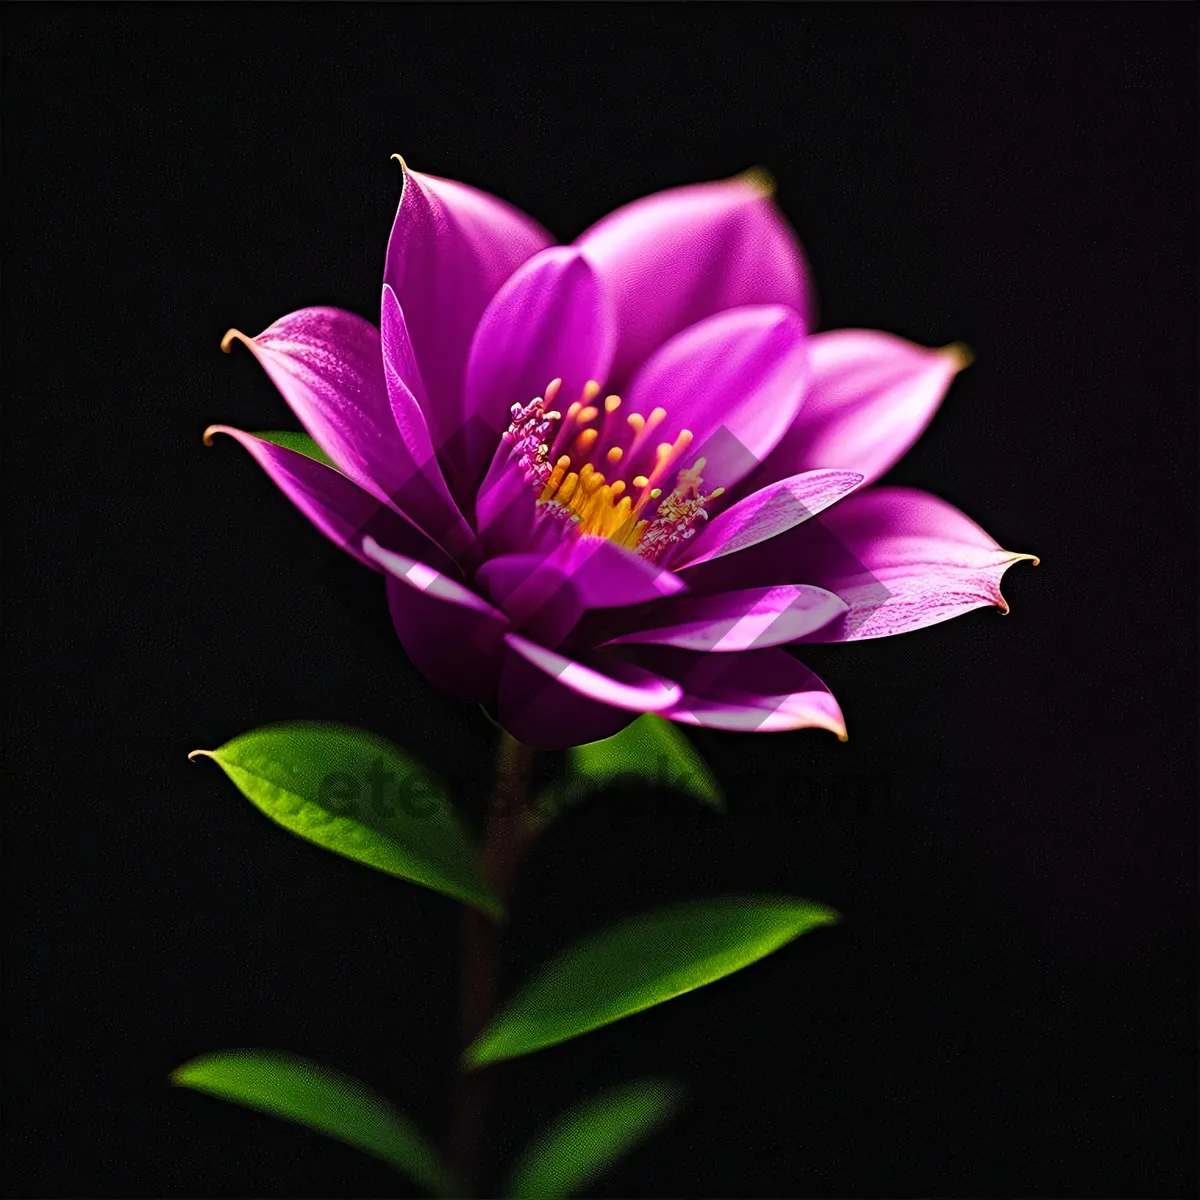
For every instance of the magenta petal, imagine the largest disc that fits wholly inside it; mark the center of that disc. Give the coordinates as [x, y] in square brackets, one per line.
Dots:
[549, 701]
[506, 509]
[454, 637]
[735, 381]
[735, 621]
[416, 483]
[551, 320]
[451, 248]
[341, 510]
[539, 600]
[551, 591]
[599, 573]
[328, 364]
[676, 257]
[607, 576]
[763, 514]
[425, 579]
[902, 559]
[625, 686]
[542, 713]
[760, 691]
[871, 396]
[454, 650]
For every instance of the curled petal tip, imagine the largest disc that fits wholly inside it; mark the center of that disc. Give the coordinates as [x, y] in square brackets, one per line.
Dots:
[207, 436]
[199, 754]
[960, 354]
[231, 336]
[400, 159]
[1033, 561]
[758, 178]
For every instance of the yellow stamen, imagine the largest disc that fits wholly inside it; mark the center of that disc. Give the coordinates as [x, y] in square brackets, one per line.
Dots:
[599, 513]
[567, 490]
[662, 460]
[589, 481]
[629, 531]
[556, 478]
[620, 514]
[644, 428]
[610, 510]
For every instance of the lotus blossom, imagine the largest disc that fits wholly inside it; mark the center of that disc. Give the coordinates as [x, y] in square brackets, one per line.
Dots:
[590, 473]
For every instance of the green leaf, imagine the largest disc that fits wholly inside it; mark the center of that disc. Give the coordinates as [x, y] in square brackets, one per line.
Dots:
[289, 439]
[571, 1152]
[650, 750]
[640, 962]
[358, 795]
[324, 1100]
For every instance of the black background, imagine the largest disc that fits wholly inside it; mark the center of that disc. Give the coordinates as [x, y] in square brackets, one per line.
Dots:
[1009, 1006]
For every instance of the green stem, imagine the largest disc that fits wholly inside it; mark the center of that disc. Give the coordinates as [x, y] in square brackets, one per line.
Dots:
[508, 831]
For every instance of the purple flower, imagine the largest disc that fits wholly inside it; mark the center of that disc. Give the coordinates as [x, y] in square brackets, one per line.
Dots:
[588, 473]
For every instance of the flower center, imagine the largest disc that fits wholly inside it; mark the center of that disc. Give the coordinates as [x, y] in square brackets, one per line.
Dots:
[562, 456]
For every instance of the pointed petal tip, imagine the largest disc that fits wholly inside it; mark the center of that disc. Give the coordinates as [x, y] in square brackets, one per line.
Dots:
[400, 159]
[834, 723]
[837, 726]
[960, 354]
[760, 179]
[837, 722]
[193, 755]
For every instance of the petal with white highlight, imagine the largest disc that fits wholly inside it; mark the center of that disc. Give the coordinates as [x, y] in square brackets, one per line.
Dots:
[737, 621]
